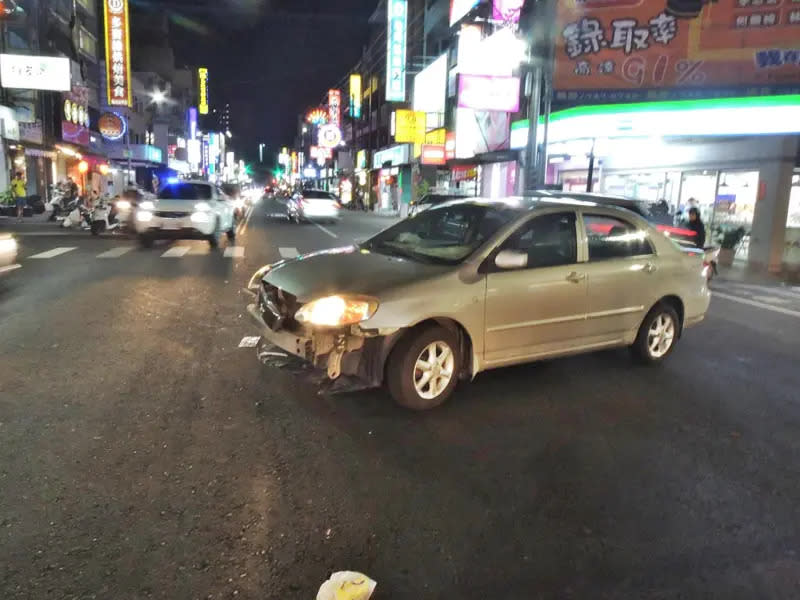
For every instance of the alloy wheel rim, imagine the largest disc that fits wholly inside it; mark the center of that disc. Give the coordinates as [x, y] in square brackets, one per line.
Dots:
[433, 370]
[661, 335]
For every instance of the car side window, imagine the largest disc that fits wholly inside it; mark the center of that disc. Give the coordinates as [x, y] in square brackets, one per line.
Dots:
[611, 237]
[549, 240]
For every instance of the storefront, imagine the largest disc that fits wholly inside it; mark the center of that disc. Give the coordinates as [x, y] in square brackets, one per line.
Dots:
[393, 182]
[724, 157]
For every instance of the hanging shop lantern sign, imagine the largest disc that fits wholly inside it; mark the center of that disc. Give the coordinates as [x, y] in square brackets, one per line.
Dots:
[317, 116]
[112, 126]
[330, 136]
[202, 82]
[335, 107]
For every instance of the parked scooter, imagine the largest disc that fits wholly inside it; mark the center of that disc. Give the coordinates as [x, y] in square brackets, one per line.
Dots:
[77, 215]
[110, 215]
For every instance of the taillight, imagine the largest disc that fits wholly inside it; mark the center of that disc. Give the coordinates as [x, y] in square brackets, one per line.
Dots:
[668, 230]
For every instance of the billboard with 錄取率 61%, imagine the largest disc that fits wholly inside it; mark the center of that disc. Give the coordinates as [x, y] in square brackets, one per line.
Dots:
[611, 50]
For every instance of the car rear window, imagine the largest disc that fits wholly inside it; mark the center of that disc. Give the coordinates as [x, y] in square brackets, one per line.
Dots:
[186, 191]
[315, 195]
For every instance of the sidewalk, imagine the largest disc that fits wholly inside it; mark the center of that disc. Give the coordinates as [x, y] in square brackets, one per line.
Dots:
[739, 273]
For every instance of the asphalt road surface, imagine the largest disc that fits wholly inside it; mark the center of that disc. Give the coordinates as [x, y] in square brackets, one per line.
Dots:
[143, 454]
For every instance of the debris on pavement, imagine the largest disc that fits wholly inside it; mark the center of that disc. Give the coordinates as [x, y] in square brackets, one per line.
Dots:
[347, 585]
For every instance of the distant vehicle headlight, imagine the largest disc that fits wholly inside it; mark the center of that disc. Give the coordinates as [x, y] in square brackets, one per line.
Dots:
[144, 216]
[147, 205]
[255, 281]
[337, 311]
[123, 205]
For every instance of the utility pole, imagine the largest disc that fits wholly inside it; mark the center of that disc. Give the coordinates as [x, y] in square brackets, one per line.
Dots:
[540, 27]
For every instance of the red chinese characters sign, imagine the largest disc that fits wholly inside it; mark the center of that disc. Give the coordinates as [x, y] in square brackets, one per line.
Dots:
[610, 50]
[335, 107]
[118, 52]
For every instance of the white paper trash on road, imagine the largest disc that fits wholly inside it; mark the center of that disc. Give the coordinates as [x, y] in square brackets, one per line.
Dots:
[249, 341]
[347, 585]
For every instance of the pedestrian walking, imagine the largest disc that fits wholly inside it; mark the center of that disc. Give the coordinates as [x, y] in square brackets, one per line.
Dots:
[696, 225]
[18, 189]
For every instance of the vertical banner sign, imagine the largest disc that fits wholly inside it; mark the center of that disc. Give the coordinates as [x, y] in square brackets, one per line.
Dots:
[355, 96]
[396, 50]
[202, 82]
[192, 114]
[118, 52]
[335, 108]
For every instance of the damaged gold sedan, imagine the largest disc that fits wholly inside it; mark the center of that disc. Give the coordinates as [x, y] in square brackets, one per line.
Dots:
[478, 284]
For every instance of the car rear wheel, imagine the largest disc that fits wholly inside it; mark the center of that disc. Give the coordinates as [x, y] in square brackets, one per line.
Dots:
[422, 370]
[657, 335]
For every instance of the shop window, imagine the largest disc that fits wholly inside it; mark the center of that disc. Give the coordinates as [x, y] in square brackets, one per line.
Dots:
[610, 237]
[88, 43]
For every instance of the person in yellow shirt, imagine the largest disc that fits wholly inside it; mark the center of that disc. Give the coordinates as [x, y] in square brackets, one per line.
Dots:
[18, 189]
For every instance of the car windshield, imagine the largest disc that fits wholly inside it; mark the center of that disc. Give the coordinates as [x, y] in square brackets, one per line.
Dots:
[445, 235]
[186, 191]
[317, 195]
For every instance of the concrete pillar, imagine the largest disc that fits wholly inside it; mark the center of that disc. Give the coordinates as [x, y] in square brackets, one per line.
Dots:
[772, 207]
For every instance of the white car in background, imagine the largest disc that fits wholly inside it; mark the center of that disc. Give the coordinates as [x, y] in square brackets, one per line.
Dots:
[8, 253]
[186, 210]
[313, 205]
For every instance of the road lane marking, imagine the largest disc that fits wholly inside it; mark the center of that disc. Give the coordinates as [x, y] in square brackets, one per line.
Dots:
[246, 221]
[326, 230]
[234, 252]
[54, 252]
[288, 252]
[770, 307]
[176, 252]
[770, 299]
[116, 252]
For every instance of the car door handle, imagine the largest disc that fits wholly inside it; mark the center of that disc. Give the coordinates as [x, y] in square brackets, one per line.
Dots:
[576, 277]
[650, 268]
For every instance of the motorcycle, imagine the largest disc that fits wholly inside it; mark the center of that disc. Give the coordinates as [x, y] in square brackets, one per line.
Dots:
[109, 215]
[77, 214]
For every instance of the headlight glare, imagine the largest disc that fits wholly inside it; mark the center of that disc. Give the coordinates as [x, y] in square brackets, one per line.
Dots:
[144, 216]
[147, 205]
[337, 311]
[123, 205]
[201, 217]
[202, 207]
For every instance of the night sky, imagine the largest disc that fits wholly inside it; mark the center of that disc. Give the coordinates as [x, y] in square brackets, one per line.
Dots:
[271, 59]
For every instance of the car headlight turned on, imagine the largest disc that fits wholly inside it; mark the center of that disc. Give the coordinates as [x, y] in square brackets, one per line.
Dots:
[123, 205]
[255, 281]
[337, 311]
[147, 205]
[145, 216]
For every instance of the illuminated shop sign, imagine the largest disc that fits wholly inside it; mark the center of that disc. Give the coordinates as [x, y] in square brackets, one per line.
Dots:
[118, 52]
[202, 79]
[396, 50]
[112, 126]
[321, 152]
[192, 116]
[335, 107]
[436, 136]
[459, 8]
[394, 155]
[488, 92]
[330, 136]
[35, 72]
[433, 154]
[507, 10]
[479, 132]
[317, 116]
[409, 126]
[519, 134]
[355, 96]
[430, 87]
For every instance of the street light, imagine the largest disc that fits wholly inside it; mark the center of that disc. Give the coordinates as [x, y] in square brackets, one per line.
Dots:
[158, 96]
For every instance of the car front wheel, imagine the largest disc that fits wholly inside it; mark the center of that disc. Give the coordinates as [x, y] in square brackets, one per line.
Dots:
[422, 371]
[657, 335]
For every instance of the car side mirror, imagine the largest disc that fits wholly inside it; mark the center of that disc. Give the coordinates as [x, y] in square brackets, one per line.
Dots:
[511, 259]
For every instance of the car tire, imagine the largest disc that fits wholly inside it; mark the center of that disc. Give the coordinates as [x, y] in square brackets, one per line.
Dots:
[145, 241]
[231, 233]
[657, 335]
[404, 375]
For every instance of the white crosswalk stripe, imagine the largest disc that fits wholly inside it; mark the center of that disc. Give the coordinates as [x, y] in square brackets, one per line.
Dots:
[288, 252]
[116, 252]
[234, 252]
[54, 252]
[176, 252]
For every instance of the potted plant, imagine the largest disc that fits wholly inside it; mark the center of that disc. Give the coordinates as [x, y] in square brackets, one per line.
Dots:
[730, 240]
